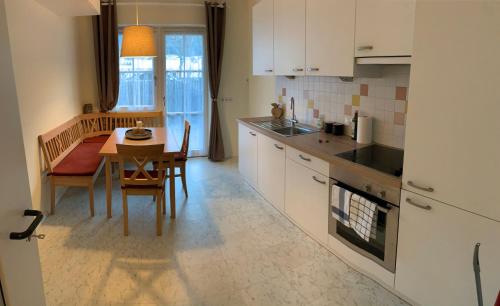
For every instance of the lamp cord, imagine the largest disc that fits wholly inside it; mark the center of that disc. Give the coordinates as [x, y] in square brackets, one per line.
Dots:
[136, 13]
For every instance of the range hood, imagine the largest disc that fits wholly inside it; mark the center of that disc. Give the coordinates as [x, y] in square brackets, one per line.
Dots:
[385, 60]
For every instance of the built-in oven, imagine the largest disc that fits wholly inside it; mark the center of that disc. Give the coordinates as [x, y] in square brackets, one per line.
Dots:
[382, 244]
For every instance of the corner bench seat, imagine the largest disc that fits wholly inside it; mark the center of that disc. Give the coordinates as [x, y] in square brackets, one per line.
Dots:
[71, 150]
[97, 139]
[84, 160]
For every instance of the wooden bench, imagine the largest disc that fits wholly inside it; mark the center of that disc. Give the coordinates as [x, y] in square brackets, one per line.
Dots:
[71, 150]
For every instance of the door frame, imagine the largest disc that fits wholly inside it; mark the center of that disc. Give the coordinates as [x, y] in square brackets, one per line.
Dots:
[162, 32]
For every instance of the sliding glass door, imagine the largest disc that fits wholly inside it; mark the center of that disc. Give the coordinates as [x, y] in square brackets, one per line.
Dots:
[186, 87]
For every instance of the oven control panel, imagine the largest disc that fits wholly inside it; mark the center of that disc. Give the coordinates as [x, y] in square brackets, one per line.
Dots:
[367, 181]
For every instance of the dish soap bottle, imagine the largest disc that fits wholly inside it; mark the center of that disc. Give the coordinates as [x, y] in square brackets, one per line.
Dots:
[354, 126]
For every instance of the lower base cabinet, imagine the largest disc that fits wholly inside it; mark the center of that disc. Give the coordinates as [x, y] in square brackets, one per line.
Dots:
[271, 171]
[247, 147]
[306, 199]
[435, 253]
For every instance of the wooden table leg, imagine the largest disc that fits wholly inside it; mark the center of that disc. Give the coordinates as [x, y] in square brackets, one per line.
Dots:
[172, 186]
[109, 188]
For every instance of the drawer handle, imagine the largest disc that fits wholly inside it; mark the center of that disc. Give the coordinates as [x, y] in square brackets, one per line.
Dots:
[319, 181]
[252, 133]
[313, 69]
[278, 147]
[304, 158]
[268, 70]
[428, 189]
[365, 48]
[411, 202]
[298, 69]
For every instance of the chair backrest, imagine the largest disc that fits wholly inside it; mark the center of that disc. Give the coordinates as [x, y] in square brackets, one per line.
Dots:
[59, 142]
[140, 157]
[185, 140]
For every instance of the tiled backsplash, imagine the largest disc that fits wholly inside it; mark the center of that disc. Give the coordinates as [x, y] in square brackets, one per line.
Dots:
[384, 99]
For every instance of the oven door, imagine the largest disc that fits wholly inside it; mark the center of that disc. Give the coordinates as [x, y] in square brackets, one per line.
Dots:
[382, 248]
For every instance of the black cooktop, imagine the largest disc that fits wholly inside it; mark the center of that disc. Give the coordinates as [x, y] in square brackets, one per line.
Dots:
[384, 159]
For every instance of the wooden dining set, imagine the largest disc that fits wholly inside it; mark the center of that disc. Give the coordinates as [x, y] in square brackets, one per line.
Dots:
[76, 151]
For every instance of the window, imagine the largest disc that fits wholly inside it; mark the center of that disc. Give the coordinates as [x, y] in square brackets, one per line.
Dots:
[137, 82]
[185, 87]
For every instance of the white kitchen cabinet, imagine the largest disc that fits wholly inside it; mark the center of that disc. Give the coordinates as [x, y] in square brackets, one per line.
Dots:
[263, 37]
[289, 37]
[247, 147]
[306, 199]
[384, 27]
[330, 37]
[452, 129]
[435, 253]
[271, 171]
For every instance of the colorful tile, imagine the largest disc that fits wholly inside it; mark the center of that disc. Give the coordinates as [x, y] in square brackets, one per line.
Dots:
[401, 93]
[316, 113]
[280, 99]
[348, 110]
[283, 92]
[356, 100]
[310, 104]
[363, 90]
[399, 118]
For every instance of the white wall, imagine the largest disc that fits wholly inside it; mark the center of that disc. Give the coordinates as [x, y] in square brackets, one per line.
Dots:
[54, 74]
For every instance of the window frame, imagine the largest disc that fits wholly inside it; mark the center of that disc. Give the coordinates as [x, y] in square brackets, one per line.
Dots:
[156, 90]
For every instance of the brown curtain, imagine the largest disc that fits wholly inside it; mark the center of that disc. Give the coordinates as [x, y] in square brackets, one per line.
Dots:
[216, 22]
[106, 55]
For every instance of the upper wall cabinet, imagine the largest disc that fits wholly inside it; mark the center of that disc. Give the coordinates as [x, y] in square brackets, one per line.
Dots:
[73, 7]
[384, 27]
[289, 37]
[311, 37]
[263, 37]
[330, 37]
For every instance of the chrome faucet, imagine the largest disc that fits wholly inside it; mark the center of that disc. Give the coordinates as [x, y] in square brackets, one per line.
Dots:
[292, 106]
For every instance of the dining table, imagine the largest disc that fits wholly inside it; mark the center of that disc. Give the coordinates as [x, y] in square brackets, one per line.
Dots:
[160, 135]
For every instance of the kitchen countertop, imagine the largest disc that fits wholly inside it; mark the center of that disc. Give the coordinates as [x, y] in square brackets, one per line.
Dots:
[326, 150]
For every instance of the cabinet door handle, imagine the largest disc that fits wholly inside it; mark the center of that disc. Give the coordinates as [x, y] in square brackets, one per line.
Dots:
[298, 69]
[319, 181]
[411, 202]
[313, 69]
[365, 48]
[278, 147]
[252, 133]
[428, 189]
[268, 70]
[304, 158]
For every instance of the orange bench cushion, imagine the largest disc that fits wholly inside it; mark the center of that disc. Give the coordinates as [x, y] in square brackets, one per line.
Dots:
[96, 139]
[82, 161]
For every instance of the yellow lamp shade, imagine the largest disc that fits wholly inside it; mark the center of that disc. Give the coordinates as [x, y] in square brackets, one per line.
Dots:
[138, 41]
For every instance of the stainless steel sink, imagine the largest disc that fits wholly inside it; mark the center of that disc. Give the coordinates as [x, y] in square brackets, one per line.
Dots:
[285, 127]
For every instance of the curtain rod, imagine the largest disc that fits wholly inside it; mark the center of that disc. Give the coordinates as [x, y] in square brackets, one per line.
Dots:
[161, 4]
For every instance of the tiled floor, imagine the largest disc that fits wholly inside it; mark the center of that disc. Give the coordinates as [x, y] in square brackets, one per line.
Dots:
[226, 247]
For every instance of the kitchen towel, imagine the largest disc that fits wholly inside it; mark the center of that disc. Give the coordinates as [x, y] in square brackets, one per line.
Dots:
[365, 132]
[341, 199]
[363, 217]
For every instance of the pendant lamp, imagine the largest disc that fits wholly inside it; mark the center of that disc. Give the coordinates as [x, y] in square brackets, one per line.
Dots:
[138, 40]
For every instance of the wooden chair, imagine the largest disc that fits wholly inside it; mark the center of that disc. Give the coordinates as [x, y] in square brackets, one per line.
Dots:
[141, 181]
[181, 157]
